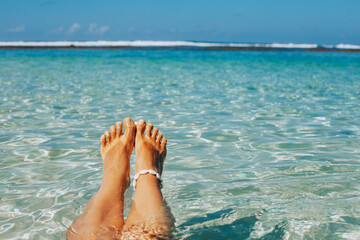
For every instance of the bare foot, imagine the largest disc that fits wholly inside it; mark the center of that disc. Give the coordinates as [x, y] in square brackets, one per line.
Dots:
[149, 217]
[103, 215]
[116, 149]
[150, 148]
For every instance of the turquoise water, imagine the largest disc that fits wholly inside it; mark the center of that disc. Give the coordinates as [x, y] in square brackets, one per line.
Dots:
[261, 145]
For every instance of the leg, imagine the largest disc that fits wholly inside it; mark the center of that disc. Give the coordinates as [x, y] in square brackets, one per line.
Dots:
[148, 217]
[103, 216]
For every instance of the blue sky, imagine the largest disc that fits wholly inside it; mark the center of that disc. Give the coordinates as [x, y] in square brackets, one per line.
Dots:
[260, 21]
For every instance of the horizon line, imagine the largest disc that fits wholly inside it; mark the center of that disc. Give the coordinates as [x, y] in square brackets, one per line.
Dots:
[158, 44]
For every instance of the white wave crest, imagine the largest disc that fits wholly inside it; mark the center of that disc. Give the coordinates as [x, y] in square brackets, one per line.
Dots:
[141, 43]
[137, 43]
[347, 46]
[291, 45]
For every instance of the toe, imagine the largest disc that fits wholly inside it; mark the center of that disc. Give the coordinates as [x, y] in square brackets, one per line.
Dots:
[148, 129]
[103, 140]
[108, 137]
[154, 132]
[141, 126]
[113, 132]
[163, 142]
[129, 126]
[118, 129]
[159, 137]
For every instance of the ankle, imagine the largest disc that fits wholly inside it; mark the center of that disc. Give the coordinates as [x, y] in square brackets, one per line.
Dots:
[148, 181]
[144, 172]
[141, 164]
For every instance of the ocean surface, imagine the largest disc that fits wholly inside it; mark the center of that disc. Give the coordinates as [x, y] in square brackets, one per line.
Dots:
[177, 44]
[261, 145]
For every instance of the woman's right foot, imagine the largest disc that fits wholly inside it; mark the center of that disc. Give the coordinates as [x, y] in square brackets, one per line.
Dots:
[150, 148]
[149, 217]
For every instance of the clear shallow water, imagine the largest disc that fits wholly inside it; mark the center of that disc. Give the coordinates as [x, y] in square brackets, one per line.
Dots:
[261, 145]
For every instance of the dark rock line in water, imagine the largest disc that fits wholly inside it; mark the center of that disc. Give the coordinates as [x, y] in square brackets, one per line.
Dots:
[318, 49]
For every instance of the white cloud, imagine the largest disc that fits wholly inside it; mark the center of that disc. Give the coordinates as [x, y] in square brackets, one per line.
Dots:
[17, 29]
[93, 28]
[104, 29]
[57, 30]
[74, 28]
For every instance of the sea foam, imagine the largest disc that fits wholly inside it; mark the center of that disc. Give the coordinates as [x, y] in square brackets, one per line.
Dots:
[165, 44]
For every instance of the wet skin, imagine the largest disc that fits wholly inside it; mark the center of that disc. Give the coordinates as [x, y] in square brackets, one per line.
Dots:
[103, 217]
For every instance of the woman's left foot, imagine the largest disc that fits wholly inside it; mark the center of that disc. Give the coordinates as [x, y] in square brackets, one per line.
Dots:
[104, 213]
[116, 149]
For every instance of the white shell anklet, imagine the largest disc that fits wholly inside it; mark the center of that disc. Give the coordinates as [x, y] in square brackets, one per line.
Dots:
[143, 172]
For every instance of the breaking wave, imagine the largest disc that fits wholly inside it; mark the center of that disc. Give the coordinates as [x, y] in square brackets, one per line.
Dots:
[165, 44]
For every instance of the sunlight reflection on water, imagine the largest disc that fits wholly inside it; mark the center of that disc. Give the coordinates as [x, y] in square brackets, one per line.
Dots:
[261, 144]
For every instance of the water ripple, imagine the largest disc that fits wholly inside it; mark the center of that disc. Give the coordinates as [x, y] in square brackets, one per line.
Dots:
[262, 145]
